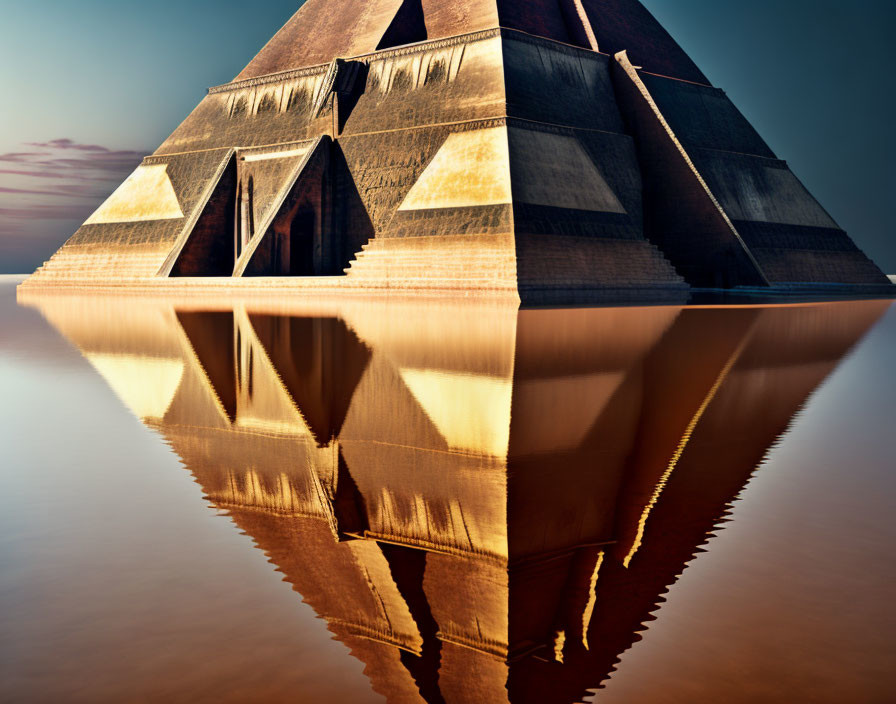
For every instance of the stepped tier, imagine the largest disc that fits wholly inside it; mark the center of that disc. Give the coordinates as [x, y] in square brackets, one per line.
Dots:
[575, 132]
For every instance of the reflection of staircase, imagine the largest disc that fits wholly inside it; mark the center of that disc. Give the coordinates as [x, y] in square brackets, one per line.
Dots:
[478, 262]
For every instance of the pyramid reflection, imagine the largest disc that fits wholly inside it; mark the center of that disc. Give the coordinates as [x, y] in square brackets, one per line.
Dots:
[483, 503]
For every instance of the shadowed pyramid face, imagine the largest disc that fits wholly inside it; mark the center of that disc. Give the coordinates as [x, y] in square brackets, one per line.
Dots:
[543, 150]
[480, 501]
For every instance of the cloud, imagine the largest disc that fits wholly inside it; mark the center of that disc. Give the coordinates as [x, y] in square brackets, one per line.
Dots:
[65, 158]
[67, 189]
[25, 191]
[54, 174]
[66, 143]
[19, 157]
[107, 161]
[59, 170]
[48, 188]
[42, 212]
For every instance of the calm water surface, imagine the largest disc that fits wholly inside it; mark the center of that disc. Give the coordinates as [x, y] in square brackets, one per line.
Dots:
[422, 503]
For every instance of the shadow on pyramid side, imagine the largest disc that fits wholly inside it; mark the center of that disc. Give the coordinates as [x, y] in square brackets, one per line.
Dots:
[551, 150]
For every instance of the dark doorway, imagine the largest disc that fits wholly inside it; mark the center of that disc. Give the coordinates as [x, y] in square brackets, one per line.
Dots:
[308, 236]
[208, 250]
[301, 244]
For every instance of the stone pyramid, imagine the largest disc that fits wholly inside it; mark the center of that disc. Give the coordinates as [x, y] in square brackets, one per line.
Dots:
[543, 148]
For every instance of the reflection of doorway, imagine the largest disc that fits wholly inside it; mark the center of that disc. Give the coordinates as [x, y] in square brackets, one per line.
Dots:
[301, 244]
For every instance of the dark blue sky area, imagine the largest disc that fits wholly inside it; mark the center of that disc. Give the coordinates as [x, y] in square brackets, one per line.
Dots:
[89, 85]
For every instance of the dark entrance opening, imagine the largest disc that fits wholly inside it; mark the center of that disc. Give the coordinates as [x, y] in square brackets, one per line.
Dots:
[307, 236]
[301, 244]
[208, 250]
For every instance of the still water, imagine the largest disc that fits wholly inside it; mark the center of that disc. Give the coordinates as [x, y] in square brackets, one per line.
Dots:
[445, 503]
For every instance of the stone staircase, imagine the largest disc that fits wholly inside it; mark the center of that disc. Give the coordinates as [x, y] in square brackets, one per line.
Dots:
[595, 263]
[473, 262]
[783, 266]
[478, 263]
[460, 264]
[74, 265]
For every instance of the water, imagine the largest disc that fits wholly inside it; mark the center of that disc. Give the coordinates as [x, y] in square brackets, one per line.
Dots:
[204, 501]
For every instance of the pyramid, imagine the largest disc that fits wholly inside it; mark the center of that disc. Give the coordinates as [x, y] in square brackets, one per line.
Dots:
[550, 149]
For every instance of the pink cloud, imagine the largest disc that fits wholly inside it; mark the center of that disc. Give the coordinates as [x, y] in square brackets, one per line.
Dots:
[66, 143]
[66, 190]
[25, 191]
[20, 157]
[44, 212]
[55, 156]
[56, 175]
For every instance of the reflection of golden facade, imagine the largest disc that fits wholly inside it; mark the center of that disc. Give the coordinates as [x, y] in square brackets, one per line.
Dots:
[483, 503]
[538, 149]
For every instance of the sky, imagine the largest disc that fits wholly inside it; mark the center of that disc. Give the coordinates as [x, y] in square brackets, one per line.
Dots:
[88, 87]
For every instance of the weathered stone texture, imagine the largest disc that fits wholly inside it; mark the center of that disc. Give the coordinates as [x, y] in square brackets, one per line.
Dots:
[541, 18]
[560, 85]
[452, 263]
[703, 116]
[626, 25]
[682, 216]
[128, 250]
[481, 144]
[318, 33]
[789, 236]
[386, 165]
[556, 263]
[591, 175]
[449, 19]
[206, 252]
[249, 115]
[451, 81]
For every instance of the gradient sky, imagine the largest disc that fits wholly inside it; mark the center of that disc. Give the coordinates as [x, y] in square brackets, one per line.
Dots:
[90, 86]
